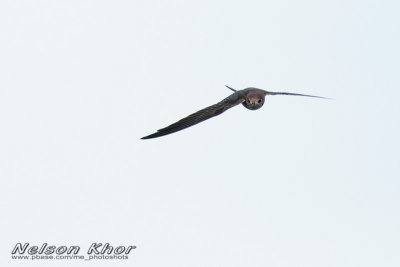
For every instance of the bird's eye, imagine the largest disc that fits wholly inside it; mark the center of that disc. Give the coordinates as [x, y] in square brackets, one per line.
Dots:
[259, 100]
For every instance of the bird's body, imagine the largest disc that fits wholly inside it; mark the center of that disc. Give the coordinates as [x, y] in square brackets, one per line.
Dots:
[252, 98]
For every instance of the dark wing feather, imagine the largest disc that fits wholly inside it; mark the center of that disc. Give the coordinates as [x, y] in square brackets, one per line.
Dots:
[285, 93]
[200, 115]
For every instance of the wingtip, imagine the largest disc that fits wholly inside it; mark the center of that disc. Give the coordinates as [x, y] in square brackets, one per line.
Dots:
[147, 137]
[322, 97]
[151, 136]
[295, 94]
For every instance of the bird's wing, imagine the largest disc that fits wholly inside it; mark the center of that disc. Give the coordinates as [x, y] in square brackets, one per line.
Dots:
[285, 93]
[201, 115]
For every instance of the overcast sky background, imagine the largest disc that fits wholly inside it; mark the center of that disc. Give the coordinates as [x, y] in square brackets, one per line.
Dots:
[300, 182]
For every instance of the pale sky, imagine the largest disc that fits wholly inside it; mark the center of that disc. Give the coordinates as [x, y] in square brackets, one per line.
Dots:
[299, 182]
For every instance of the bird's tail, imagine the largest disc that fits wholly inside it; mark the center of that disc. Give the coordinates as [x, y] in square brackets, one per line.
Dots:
[230, 88]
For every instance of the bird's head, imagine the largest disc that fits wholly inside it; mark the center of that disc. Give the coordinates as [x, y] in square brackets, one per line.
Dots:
[254, 101]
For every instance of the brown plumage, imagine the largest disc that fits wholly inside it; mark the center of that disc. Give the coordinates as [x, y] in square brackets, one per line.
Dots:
[252, 98]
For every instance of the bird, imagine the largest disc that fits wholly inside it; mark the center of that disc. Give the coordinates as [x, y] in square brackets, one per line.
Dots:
[252, 98]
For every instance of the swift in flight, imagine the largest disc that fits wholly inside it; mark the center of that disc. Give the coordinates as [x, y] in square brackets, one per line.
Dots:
[252, 98]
